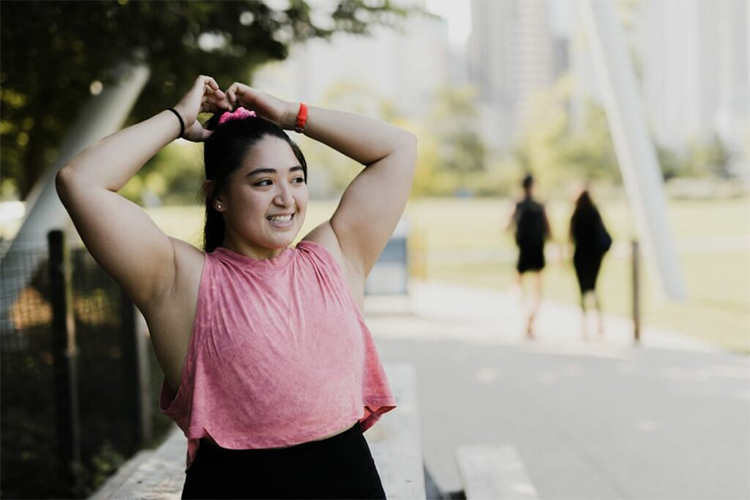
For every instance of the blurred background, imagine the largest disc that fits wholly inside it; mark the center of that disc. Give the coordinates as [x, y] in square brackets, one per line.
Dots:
[493, 90]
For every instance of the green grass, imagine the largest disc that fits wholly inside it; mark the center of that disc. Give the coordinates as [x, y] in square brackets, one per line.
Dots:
[716, 263]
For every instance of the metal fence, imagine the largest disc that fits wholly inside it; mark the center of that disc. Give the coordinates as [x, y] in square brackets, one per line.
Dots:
[77, 399]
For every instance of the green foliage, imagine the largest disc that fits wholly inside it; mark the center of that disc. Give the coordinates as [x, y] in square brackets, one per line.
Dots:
[458, 153]
[672, 165]
[710, 157]
[703, 159]
[172, 177]
[104, 464]
[590, 153]
[53, 51]
[551, 148]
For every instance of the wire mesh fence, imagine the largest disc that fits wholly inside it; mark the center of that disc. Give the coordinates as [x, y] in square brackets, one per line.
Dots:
[63, 441]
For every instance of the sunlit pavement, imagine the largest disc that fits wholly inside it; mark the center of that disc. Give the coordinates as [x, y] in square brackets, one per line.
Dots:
[598, 419]
[446, 311]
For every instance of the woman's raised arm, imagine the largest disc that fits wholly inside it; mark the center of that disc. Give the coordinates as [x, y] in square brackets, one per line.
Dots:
[119, 234]
[373, 203]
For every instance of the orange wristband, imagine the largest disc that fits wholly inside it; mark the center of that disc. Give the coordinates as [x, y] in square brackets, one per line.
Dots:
[299, 126]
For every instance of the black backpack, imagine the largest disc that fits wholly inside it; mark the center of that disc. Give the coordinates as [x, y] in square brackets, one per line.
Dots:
[530, 227]
[602, 239]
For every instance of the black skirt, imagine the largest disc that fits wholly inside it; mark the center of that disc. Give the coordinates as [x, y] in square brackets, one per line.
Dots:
[530, 258]
[338, 467]
[587, 264]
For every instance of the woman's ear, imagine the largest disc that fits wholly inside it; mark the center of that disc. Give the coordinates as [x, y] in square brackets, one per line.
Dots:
[207, 187]
[217, 202]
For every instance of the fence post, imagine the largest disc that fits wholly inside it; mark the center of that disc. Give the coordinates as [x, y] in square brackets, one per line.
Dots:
[65, 355]
[636, 294]
[135, 376]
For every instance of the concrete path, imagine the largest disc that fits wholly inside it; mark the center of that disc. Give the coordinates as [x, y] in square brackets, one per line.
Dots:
[598, 419]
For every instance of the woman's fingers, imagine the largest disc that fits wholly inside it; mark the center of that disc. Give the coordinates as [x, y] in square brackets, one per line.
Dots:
[232, 93]
[238, 92]
[207, 80]
[212, 98]
[215, 106]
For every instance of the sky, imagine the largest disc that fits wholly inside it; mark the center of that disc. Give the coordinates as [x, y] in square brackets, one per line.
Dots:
[458, 14]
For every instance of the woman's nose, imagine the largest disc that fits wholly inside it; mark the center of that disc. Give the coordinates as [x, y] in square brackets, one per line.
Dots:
[284, 196]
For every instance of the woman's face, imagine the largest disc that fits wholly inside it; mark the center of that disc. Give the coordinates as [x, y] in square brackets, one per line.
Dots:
[264, 201]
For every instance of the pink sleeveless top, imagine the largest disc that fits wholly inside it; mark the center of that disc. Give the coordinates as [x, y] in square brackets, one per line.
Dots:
[279, 355]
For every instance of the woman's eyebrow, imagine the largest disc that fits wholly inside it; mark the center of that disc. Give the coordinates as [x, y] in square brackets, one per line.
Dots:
[265, 170]
[262, 171]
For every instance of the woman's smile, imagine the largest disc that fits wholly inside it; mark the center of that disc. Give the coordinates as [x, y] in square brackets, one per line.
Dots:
[281, 221]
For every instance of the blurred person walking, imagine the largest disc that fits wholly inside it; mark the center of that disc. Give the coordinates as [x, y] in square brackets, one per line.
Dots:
[532, 230]
[592, 241]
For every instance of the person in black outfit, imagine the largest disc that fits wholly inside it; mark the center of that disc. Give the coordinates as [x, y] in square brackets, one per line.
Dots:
[531, 231]
[591, 240]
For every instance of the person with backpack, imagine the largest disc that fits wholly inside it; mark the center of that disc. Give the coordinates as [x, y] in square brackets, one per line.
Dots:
[532, 230]
[592, 241]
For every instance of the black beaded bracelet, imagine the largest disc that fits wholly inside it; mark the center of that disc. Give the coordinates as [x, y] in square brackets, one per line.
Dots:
[182, 124]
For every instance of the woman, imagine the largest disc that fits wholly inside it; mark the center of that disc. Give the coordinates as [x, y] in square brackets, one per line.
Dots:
[269, 368]
[591, 240]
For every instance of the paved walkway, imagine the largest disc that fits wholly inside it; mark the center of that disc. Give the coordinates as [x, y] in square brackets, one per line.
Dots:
[436, 311]
[597, 419]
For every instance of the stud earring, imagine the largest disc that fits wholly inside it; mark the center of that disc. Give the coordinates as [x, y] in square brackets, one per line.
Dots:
[218, 206]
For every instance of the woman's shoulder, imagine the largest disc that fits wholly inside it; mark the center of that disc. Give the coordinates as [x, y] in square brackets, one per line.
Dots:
[323, 241]
[187, 257]
[317, 251]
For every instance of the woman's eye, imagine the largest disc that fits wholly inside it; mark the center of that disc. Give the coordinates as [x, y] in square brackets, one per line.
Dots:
[301, 180]
[263, 183]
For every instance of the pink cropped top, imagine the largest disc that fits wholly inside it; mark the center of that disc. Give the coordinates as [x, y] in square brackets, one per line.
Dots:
[279, 355]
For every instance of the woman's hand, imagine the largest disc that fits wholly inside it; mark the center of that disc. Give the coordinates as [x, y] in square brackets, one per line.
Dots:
[203, 97]
[282, 113]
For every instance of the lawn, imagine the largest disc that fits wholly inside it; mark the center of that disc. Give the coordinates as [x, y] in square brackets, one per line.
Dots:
[463, 242]
[712, 237]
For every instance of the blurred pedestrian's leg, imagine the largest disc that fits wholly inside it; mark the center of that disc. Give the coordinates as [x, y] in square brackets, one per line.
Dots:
[584, 319]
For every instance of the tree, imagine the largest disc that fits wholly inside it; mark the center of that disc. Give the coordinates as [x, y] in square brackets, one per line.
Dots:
[590, 154]
[671, 164]
[551, 147]
[53, 52]
[461, 151]
[710, 157]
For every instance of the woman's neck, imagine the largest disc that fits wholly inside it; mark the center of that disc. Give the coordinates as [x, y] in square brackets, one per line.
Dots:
[250, 250]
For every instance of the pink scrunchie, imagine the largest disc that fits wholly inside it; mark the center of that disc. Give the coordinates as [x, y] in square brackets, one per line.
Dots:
[238, 114]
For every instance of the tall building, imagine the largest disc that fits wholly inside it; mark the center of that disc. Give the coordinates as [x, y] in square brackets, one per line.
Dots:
[403, 66]
[491, 61]
[694, 57]
[513, 53]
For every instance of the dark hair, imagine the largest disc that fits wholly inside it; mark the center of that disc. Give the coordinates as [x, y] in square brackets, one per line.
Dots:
[223, 152]
[585, 213]
[527, 182]
[584, 203]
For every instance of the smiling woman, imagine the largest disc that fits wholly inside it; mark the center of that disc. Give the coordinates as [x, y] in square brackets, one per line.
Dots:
[254, 172]
[269, 368]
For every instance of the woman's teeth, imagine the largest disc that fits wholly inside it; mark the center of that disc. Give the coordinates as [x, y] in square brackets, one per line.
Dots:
[282, 218]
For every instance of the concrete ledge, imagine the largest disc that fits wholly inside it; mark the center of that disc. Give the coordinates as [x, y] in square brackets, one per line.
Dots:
[494, 472]
[394, 441]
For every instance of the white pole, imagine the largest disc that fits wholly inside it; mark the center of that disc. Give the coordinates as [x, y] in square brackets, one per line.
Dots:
[635, 151]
